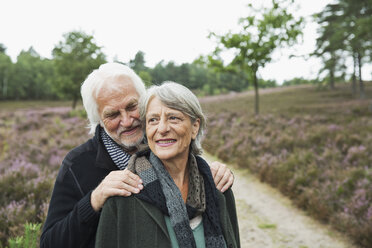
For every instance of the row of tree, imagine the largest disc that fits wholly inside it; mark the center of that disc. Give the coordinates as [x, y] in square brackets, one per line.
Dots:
[76, 55]
[344, 33]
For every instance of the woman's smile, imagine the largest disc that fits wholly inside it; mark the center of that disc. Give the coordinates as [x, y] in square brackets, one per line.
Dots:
[165, 142]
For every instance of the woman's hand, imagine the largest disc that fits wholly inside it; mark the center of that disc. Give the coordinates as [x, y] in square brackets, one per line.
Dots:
[222, 176]
[116, 183]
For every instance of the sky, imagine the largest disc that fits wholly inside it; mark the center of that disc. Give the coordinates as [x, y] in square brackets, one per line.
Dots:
[169, 30]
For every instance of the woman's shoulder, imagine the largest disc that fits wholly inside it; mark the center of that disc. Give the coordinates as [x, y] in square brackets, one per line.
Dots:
[120, 201]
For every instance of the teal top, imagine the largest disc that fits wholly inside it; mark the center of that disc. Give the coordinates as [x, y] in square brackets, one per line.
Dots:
[198, 233]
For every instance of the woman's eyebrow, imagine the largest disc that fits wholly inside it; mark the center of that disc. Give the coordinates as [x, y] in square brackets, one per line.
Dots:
[173, 113]
[152, 115]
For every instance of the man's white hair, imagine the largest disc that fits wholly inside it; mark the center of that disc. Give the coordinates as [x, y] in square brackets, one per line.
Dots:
[103, 77]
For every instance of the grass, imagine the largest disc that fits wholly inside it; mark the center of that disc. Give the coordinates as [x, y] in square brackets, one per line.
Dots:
[267, 226]
[32, 104]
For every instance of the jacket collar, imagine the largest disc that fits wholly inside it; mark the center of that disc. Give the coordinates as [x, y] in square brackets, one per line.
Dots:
[103, 159]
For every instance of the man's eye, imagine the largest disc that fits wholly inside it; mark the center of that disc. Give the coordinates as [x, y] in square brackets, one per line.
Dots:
[172, 118]
[132, 107]
[112, 115]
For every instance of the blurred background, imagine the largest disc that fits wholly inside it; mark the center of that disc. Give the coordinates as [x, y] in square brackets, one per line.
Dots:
[294, 77]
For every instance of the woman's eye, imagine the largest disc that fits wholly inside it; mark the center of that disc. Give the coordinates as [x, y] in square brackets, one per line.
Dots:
[152, 120]
[173, 118]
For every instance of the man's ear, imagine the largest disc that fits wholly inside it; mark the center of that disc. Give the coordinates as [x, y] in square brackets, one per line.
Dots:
[195, 128]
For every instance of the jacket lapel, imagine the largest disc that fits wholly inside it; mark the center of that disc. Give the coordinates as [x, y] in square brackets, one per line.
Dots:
[225, 223]
[156, 215]
[103, 159]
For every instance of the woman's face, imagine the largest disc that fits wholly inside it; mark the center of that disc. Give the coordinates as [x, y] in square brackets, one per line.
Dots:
[169, 131]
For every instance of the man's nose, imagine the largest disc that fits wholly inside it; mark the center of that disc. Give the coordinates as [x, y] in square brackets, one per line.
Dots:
[125, 119]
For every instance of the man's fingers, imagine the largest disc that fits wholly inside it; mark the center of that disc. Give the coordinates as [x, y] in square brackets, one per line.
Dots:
[117, 192]
[220, 174]
[223, 181]
[133, 176]
[228, 184]
[130, 188]
[214, 171]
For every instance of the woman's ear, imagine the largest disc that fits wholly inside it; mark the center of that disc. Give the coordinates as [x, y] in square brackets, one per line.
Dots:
[195, 128]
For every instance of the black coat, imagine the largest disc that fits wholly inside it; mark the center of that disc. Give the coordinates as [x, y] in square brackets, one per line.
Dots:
[71, 220]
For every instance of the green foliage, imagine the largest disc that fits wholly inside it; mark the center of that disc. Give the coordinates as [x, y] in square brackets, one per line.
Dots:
[2, 48]
[199, 77]
[262, 33]
[32, 77]
[299, 81]
[138, 63]
[267, 226]
[6, 68]
[146, 77]
[74, 59]
[30, 239]
[344, 30]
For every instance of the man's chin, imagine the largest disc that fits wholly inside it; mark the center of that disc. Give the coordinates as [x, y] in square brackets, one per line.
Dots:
[130, 146]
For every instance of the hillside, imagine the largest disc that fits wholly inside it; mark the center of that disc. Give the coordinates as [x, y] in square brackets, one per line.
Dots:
[315, 146]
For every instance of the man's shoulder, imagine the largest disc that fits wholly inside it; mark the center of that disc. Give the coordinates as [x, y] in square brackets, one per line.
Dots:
[88, 147]
[83, 154]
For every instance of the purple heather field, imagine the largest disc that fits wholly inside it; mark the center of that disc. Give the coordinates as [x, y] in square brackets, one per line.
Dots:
[314, 145]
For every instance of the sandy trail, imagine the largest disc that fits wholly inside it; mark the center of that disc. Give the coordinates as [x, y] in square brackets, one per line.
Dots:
[269, 219]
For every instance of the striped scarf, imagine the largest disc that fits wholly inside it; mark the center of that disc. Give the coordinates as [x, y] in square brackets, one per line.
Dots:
[116, 153]
[161, 191]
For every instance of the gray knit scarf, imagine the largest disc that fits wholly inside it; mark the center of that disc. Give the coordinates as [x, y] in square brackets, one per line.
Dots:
[117, 154]
[161, 191]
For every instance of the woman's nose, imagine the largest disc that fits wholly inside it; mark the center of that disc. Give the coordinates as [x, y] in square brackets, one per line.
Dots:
[163, 126]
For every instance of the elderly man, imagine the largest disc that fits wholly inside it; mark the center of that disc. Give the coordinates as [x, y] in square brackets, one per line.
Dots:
[96, 169]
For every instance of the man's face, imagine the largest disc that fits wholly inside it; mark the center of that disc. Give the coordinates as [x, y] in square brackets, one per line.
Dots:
[119, 112]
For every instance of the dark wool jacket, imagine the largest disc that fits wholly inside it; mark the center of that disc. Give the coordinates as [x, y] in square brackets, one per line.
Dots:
[128, 222]
[71, 220]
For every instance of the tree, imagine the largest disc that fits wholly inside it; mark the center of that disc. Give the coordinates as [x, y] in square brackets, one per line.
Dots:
[330, 43]
[32, 77]
[75, 58]
[6, 67]
[2, 48]
[138, 63]
[345, 27]
[262, 32]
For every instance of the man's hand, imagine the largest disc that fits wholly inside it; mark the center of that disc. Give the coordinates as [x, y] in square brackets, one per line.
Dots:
[117, 183]
[222, 176]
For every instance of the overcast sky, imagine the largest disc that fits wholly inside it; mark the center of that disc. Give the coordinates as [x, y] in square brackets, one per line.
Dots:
[163, 29]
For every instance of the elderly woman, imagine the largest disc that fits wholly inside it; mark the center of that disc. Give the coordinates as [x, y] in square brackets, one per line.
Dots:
[179, 205]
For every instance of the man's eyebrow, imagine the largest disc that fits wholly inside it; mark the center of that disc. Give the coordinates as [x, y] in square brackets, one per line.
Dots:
[131, 103]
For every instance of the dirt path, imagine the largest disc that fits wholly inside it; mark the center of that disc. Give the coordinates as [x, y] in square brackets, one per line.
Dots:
[268, 219]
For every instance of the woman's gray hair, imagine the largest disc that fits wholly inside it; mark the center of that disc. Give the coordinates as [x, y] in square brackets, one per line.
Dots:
[177, 96]
[103, 78]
